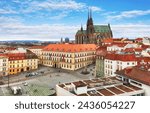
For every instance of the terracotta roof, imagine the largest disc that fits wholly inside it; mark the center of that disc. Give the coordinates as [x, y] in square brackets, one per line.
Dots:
[137, 74]
[101, 51]
[128, 50]
[132, 50]
[3, 57]
[20, 56]
[37, 47]
[145, 46]
[8, 48]
[138, 49]
[117, 39]
[70, 47]
[121, 57]
[139, 39]
[118, 44]
[16, 56]
[141, 59]
[108, 40]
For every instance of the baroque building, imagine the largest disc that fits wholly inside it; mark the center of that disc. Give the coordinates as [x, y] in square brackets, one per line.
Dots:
[93, 34]
[68, 56]
[14, 63]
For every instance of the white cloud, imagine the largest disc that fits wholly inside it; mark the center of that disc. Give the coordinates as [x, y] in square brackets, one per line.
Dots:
[62, 7]
[94, 8]
[7, 11]
[59, 5]
[60, 15]
[15, 30]
[129, 14]
[30, 6]
[131, 30]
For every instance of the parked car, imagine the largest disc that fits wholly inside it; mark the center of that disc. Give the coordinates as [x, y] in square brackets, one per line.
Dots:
[25, 83]
[27, 75]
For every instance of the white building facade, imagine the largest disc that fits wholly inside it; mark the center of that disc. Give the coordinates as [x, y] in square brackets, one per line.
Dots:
[3, 66]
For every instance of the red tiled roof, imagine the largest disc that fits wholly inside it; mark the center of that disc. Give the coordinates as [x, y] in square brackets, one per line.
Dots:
[145, 59]
[15, 56]
[118, 44]
[117, 39]
[108, 40]
[138, 39]
[70, 47]
[136, 73]
[7, 48]
[102, 51]
[132, 50]
[37, 47]
[19, 56]
[121, 57]
[128, 50]
[138, 49]
[145, 46]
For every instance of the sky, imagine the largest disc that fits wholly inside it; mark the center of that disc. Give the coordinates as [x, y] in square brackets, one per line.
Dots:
[49, 20]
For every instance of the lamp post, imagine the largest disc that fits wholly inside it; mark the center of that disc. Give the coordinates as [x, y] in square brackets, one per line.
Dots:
[8, 81]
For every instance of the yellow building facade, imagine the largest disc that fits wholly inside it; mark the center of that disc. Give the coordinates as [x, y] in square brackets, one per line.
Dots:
[17, 66]
[68, 56]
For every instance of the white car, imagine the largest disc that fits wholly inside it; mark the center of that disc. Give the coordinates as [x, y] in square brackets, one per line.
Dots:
[25, 83]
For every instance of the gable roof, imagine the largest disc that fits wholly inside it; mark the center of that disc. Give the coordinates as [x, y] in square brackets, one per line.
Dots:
[37, 47]
[121, 57]
[97, 29]
[81, 32]
[102, 28]
[136, 73]
[70, 47]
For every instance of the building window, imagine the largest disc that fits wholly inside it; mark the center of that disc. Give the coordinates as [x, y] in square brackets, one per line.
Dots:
[136, 83]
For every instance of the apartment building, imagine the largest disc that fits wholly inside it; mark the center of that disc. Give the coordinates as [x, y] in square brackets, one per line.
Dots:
[3, 66]
[20, 62]
[100, 56]
[114, 62]
[38, 51]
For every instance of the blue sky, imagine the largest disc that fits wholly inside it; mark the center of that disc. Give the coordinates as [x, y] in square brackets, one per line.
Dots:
[53, 19]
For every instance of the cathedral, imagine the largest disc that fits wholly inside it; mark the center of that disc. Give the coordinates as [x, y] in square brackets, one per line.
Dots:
[94, 34]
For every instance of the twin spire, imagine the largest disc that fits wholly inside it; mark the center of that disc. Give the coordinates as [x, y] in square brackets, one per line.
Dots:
[89, 13]
[89, 18]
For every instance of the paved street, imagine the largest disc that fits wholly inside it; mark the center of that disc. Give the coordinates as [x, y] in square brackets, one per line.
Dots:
[49, 78]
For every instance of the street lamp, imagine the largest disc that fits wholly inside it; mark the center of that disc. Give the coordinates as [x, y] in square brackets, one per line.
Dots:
[8, 81]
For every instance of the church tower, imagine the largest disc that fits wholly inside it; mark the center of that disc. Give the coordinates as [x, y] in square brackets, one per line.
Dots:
[94, 34]
[90, 26]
